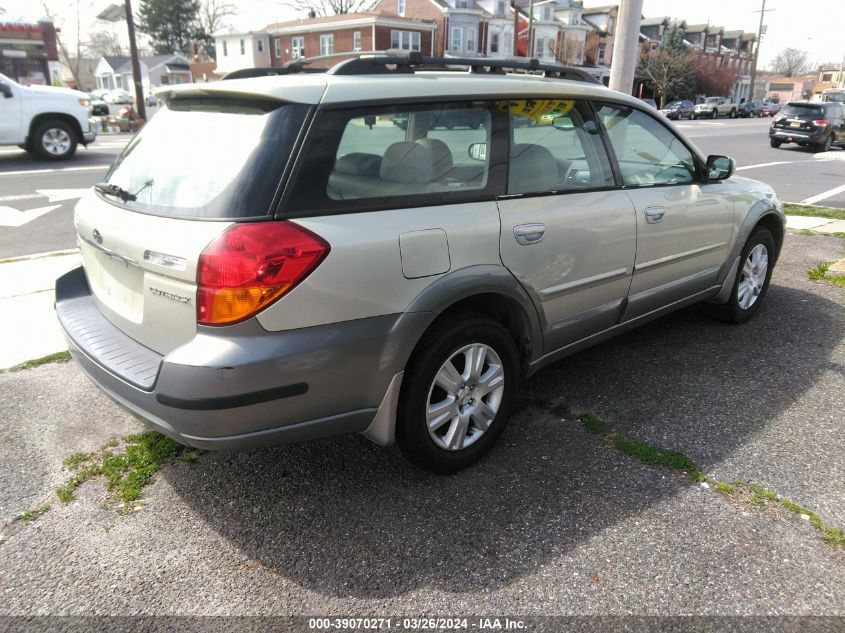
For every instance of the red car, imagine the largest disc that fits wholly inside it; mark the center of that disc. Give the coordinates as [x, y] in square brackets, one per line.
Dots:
[771, 109]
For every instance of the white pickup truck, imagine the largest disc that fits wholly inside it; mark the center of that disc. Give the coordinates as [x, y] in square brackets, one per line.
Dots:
[715, 107]
[47, 121]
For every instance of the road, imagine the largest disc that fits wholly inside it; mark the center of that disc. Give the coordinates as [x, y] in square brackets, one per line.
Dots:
[554, 521]
[796, 173]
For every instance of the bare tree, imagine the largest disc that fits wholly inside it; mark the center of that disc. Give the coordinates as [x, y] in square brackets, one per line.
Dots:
[791, 62]
[213, 13]
[328, 7]
[104, 43]
[70, 55]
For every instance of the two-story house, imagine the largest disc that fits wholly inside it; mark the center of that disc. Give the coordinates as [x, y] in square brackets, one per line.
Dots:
[242, 50]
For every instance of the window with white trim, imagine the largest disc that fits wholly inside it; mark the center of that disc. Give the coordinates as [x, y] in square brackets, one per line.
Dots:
[456, 42]
[400, 7]
[405, 40]
[471, 40]
[327, 44]
[500, 7]
[225, 48]
[243, 47]
[297, 47]
[260, 46]
[356, 41]
[277, 48]
[547, 14]
[461, 4]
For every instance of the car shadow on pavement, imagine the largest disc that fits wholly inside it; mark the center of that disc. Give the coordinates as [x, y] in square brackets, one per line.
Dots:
[341, 517]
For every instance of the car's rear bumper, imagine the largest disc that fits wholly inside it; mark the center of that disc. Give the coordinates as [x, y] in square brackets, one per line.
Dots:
[241, 386]
[797, 136]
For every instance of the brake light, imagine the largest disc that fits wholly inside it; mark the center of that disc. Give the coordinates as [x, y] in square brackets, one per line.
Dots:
[820, 122]
[252, 265]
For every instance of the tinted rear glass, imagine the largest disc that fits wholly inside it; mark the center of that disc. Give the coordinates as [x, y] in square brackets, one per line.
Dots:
[209, 158]
[795, 110]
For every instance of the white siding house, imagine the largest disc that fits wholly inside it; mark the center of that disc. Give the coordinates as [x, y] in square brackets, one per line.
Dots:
[242, 50]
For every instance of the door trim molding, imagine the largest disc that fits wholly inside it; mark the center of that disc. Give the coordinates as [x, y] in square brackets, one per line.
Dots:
[557, 291]
[670, 259]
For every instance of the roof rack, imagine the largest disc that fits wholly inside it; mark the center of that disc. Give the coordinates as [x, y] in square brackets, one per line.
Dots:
[404, 62]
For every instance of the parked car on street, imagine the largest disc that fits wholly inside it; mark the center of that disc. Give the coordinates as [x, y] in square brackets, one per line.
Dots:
[816, 124]
[834, 94]
[98, 106]
[44, 120]
[310, 269]
[714, 107]
[118, 97]
[771, 108]
[677, 110]
[748, 109]
[151, 100]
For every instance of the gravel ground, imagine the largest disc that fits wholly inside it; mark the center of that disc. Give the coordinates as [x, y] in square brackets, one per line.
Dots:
[553, 522]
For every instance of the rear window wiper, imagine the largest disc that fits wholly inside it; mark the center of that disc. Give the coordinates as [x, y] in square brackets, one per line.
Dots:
[115, 190]
[120, 192]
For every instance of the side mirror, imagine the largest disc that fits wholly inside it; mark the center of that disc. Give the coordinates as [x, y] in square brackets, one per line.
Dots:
[720, 167]
[478, 151]
[6, 90]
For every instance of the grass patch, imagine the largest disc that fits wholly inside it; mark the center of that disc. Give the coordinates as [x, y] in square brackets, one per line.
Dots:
[757, 496]
[31, 515]
[820, 273]
[813, 211]
[127, 468]
[58, 357]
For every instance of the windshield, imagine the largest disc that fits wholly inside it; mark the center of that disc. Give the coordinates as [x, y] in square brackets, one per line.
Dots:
[795, 110]
[209, 158]
[673, 105]
[711, 100]
[834, 95]
[7, 80]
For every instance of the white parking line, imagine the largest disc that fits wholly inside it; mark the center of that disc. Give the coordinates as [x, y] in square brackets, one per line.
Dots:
[777, 162]
[824, 195]
[28, 172]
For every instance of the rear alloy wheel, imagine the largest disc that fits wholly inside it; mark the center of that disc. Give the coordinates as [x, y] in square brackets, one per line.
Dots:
[54, 140]
[733, 114]
[825, 145]
[775, 143]
[752, 279]
[457, 394]
[714, 114]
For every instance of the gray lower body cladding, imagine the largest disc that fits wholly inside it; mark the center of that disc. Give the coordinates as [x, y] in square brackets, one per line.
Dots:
[240, 386]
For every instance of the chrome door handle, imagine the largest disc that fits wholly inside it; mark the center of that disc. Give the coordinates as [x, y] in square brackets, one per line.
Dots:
[653, 215]
[527, 234]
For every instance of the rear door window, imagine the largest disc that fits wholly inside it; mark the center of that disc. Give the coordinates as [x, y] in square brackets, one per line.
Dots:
[555, 147]
[209, 158]
[801, 111]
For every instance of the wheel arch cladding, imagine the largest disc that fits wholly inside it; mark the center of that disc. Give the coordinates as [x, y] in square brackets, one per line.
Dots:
[55, 116]
[488, 290]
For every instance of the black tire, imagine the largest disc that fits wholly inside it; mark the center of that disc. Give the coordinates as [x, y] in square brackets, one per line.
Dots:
[693, 116]
[714, 114]
[825, 145]
[733, 114]
[732, 311]
[413, 439]
[53, 127]
[775, 142]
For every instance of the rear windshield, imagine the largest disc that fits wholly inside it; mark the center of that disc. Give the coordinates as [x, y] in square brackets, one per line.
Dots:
[795, 110]
[209, 158]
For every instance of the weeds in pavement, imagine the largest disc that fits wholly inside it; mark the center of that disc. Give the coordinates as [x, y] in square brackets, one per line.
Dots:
[31, 515]
[127, 470]
[819, 273]
[813, 212]
[58, 357]
[756, 495]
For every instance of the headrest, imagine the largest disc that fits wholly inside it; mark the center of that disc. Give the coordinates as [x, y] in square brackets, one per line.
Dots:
[442, 155]
[532, 168]
[408, 162]
[359, 164]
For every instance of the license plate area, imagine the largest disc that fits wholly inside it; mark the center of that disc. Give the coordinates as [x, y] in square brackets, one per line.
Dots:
[118, 284]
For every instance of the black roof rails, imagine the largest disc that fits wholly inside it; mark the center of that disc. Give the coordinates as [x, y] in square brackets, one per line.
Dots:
[402, 62]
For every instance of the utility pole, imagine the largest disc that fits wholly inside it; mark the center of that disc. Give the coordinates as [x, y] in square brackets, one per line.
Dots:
[626, 46]
[530, 50]
[140, 106]
[757, 52]
[515, 30]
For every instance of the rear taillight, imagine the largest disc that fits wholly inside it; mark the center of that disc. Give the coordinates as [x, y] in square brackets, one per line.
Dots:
[252, 265]
[820, 122]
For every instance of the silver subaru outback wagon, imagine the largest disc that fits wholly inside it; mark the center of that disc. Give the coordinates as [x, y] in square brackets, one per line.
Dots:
[391, 246]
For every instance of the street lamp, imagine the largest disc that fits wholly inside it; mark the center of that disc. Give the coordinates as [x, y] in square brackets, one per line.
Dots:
[115, 13]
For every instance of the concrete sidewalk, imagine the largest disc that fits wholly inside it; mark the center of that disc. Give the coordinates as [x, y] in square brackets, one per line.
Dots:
[29, 325]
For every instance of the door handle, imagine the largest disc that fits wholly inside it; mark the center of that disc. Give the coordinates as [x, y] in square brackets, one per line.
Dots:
[527, 234]
[653, 215]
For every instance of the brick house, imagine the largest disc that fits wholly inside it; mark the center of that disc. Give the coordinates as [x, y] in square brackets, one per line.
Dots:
[28, 52]
[352, 32]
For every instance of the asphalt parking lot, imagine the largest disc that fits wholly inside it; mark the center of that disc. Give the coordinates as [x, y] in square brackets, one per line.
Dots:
[554, 521]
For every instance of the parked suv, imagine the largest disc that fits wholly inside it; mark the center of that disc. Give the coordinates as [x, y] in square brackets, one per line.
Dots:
[809, 123]
[311, 268]
[714, 107]
[678, 110]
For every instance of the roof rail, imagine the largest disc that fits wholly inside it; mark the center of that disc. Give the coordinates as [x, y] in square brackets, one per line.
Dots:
[403, 62]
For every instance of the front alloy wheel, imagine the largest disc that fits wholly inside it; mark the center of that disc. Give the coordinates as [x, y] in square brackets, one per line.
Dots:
[54, 140]
[752, 279]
